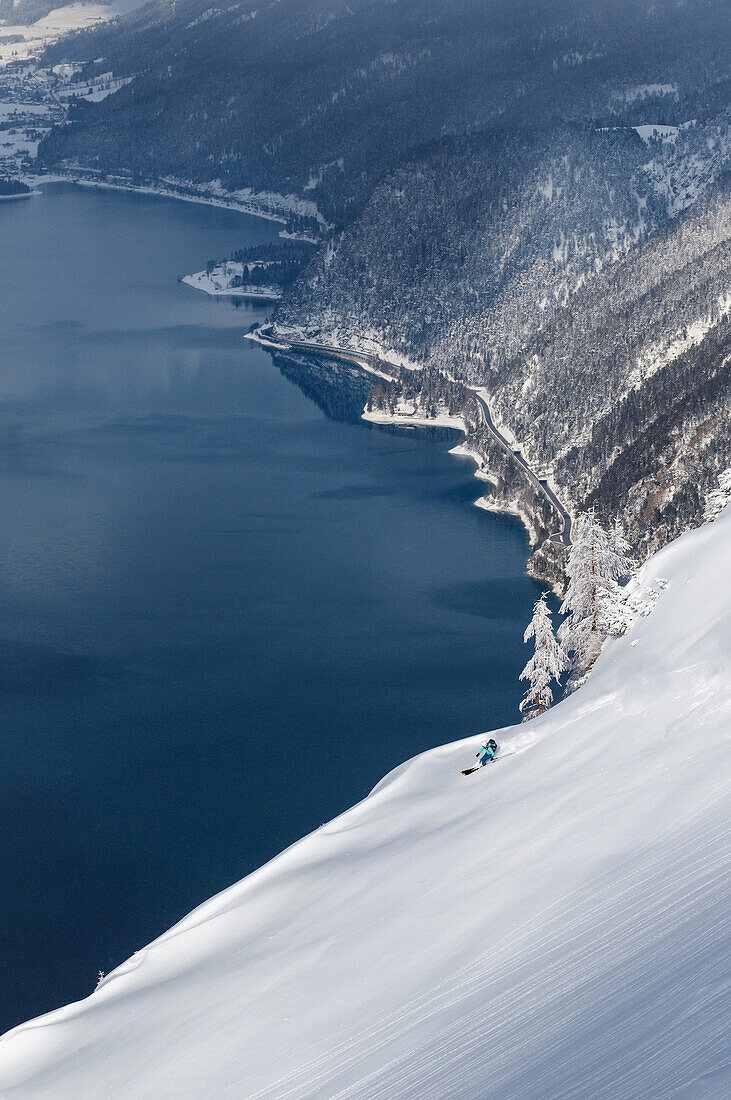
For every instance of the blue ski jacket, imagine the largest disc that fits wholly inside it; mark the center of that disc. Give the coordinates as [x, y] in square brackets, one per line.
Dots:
[487, 752]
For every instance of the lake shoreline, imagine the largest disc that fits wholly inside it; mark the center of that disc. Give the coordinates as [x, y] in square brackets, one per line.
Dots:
[224, 201]
[201, 281]
[165, 193]
[506, 504]
[253, 211]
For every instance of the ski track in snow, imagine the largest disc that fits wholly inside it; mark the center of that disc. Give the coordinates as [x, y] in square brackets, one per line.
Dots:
[517, 1008]
[556, 926]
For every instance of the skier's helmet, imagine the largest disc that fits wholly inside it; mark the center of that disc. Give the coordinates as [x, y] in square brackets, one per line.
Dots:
[492, 743]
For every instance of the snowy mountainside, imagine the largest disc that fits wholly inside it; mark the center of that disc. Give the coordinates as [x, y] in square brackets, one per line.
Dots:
[689, 159]
[539, 159]
[488, 234]
[627, 389]
[555, 925]
[551, 270]
[292, 95]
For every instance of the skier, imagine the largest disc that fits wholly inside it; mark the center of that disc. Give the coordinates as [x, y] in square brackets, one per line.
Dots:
[486, 753]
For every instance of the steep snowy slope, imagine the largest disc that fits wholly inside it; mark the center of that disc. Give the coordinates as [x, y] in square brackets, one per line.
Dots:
[555, 926]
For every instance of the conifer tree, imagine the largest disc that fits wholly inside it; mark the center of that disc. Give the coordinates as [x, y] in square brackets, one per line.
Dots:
[549, 660]
[621, 561]
[616, 614]
[596, 561]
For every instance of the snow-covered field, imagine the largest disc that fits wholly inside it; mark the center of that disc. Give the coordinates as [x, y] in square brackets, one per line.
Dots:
[10, 112]
[553, 926]
[226, 278]
[406, 414]
[94, 91]
[62, 20]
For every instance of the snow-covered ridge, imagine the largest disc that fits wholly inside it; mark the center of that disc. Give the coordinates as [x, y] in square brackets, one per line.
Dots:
[552, 926]
[209, 13]
[659, 354]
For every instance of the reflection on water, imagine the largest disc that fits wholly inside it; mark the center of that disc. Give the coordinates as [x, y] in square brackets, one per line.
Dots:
[223, 614]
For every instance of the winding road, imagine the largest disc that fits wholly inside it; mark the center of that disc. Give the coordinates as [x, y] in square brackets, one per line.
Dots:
[561, 537]
[381, 367]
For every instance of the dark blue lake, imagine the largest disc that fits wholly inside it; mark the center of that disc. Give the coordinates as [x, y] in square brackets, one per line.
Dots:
[224, 615]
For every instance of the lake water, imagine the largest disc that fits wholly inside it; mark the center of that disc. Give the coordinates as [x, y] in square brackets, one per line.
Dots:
[223, 615]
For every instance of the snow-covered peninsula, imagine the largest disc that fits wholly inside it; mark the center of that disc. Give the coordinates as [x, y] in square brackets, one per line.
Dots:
[227, 279]
[554, 925]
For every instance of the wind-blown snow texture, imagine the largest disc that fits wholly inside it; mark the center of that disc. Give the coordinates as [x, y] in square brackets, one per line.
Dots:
[553, 926]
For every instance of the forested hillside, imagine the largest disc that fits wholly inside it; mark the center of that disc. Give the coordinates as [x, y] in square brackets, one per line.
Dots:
[553, 269]
[325, 96]
[531, 196]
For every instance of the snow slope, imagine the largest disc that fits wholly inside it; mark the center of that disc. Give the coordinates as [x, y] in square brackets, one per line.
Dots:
[554, 926]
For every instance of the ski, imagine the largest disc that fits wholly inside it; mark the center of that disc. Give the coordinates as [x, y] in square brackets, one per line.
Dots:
[495, 760]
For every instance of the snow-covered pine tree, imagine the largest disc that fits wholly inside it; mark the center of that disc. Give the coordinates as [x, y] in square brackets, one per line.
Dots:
[621, 563]
[596, 561]
[718, 498]
[617, 612]
[549, 660]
